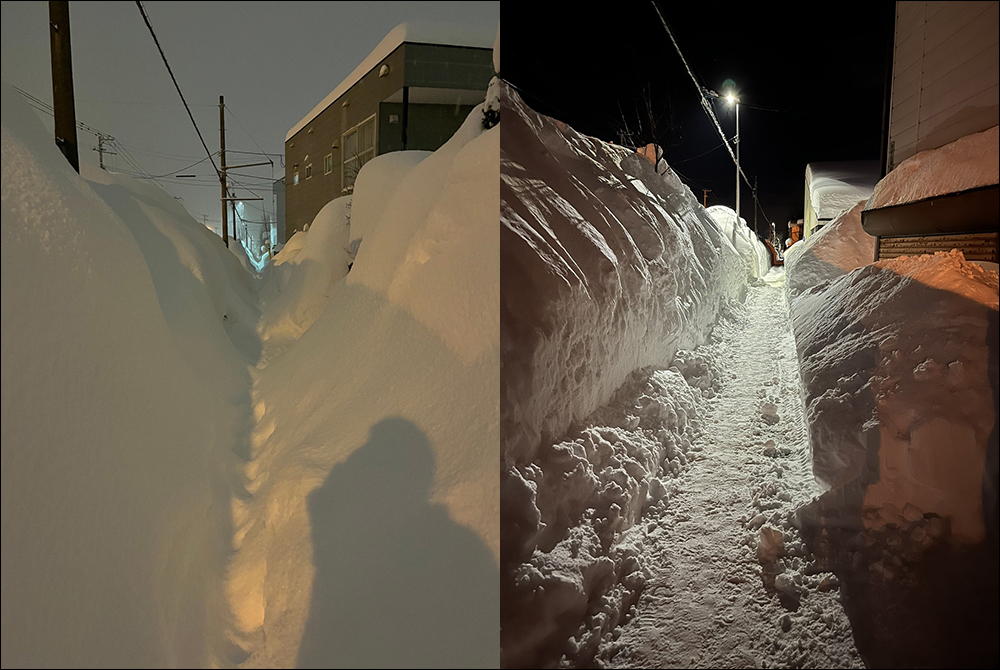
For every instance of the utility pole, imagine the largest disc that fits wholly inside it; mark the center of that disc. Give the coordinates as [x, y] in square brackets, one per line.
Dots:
[63, 106]
[755, 205]
[704, 197]
[222, 171]
[101, 139]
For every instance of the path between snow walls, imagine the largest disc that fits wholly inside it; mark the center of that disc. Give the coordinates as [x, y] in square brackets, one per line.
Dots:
[188, 480]
[729, 580]
[610, 266]
[368, 533]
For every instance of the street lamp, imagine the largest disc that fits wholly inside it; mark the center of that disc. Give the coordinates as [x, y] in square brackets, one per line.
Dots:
[733, 100]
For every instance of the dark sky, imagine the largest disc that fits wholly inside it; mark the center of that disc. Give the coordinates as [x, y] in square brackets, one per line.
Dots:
[822, 65]
[274, 61]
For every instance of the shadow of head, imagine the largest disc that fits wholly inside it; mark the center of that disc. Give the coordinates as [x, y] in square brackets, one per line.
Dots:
[398, 583]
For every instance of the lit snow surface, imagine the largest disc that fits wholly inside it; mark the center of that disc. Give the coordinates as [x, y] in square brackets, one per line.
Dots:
[649, 436]
[204, 468]
[837, 185]
[672, 412]
[969, 162]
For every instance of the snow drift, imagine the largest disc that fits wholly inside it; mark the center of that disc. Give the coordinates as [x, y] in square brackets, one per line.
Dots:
[897, 359]
[122, 401]
[969, 162]
[300, 278]
[189, 481]
[835, 186]
[745, 240]
[608, 267]
[838, 248]
[370, 537]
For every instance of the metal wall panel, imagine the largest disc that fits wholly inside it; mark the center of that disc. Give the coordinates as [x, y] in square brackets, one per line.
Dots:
[946, 64]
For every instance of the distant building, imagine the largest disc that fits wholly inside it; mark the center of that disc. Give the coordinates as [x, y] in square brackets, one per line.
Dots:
[412, 92]
[945, 79]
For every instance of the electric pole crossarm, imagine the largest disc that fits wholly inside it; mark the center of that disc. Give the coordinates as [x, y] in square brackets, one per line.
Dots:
[244, 165]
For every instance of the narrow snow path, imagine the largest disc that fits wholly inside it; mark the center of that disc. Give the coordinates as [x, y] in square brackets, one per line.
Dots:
[705, 603]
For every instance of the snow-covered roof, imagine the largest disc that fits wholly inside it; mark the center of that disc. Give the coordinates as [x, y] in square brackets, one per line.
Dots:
[967, 163]
[423, 32]
[835, 186]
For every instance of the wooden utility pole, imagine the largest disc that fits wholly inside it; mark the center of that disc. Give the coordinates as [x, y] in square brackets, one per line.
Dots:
[101, 139]
[63, 107]
[704, 196]
[222, 171]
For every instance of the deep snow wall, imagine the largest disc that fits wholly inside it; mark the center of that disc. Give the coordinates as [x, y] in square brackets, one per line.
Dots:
[121, 405]
[609, 265]
[370, 535]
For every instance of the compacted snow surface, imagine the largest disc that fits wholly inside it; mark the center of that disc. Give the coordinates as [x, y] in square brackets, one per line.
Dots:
[731, 584]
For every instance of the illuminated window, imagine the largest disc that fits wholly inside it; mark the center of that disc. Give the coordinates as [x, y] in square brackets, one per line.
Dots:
[359, 148]
[328, 164]
[295, 174]
[309, 171]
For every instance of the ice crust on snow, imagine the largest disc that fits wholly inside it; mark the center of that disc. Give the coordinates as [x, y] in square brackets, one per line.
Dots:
[968, 162]
[609, 267]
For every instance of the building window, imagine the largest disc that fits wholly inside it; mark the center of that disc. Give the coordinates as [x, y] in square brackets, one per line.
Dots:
[359, 148]
[309, 171]
[328, 164]
[295, 174]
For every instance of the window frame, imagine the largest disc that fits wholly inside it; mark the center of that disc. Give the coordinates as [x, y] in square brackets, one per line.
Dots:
[345, 188]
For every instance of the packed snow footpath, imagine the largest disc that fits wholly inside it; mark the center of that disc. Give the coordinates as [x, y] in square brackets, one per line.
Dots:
[730, 583]
[201, 469]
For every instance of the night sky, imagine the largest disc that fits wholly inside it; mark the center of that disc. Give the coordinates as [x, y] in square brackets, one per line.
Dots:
[821, 66]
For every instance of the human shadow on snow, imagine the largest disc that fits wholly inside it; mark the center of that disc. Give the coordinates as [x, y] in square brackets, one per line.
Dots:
[398, 583]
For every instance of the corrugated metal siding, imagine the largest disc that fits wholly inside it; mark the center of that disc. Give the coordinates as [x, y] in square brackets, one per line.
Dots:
[946, 74]
[975, 246]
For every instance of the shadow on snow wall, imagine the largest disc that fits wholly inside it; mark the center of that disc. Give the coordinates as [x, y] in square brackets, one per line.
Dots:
[395, 586]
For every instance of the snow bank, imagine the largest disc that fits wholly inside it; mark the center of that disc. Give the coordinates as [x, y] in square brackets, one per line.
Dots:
[299, 280]
[968, 162]
[745, 240]
[897, 359]
[608, 267]
[838, 248]
[370, 536]
[838, 185]
[121, 403]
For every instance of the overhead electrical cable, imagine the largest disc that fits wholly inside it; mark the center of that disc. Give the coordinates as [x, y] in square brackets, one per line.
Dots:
[145, 18]
[707, 106]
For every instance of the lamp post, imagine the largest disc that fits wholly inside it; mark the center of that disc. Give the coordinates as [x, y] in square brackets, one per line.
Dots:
[733, 100]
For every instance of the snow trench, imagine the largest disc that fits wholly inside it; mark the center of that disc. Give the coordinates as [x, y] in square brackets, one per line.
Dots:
[201, 469]
[611, 267]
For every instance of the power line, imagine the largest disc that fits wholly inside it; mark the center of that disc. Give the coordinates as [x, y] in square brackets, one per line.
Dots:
[707, 106]
[145, 18]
